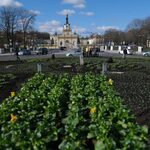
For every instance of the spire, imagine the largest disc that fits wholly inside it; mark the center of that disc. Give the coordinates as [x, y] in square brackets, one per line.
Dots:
[67, 22]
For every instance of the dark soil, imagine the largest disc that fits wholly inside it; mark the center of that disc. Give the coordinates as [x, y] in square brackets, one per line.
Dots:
[134, 87]
[14, 85]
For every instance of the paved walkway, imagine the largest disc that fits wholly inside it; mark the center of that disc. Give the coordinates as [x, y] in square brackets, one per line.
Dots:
[7, 54]
[108, 51]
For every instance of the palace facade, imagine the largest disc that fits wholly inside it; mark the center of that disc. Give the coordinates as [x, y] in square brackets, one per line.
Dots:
[67, 39]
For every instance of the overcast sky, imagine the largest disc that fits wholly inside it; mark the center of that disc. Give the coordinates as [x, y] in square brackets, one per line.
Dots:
[85, 16]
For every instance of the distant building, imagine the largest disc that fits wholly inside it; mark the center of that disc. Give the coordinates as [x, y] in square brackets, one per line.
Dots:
[96, 39]
[66, 39]
[84, 41]
[93, 41]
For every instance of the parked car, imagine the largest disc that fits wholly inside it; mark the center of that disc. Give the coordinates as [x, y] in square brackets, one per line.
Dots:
[63, 48]
[41, 51]
[129, 52]
[24, 52]
[95, 52]
[146, 54]
[74, 53]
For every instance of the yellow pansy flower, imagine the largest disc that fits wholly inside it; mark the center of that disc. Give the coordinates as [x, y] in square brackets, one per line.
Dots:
[93, 110]
[13, 118]
[13, 94]
[110, 82]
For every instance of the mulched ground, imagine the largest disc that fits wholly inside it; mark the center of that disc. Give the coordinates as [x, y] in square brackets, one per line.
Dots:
[133, 87]
[13, 85]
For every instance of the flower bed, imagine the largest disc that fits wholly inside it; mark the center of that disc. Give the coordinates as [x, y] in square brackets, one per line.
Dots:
[68, 113]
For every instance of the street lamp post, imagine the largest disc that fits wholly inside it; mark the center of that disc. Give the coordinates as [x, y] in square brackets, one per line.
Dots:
[17, 50]
[10, 45]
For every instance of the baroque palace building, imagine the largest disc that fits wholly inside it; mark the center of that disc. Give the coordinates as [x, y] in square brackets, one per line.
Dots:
[67, 39]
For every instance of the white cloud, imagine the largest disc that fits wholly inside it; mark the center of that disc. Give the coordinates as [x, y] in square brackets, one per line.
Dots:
[55, 26]
[102, 29]
[66, 11]
[80, 30]
[36, 12]
[51, 27]
[11, 3]
[75, 3]
[87, 13]
[79, 6]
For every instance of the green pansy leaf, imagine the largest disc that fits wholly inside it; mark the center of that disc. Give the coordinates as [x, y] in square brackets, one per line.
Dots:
[90, 135]
[99, 145]
[145, 129]
[38, 134]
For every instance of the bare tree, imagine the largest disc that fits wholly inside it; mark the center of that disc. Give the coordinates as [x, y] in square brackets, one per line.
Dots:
[132, 36]
[135, 24]
[2, 39]
[9, 23]
[138, 31]
[113, 35]
[27, 19]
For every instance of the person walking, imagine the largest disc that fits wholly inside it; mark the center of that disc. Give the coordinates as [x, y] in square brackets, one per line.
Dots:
[124, 53]
[17, 55]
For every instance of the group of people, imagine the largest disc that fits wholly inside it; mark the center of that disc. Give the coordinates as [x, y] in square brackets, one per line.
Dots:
[87, 52]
